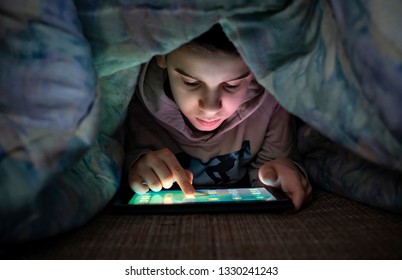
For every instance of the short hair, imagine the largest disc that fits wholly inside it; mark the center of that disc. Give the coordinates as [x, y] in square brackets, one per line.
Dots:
[214, 40]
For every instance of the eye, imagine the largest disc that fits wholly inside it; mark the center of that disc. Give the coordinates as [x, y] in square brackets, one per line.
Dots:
[191, 84]
[231, 87]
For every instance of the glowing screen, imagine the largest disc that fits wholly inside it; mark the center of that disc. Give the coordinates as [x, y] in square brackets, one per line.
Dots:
[203, 195]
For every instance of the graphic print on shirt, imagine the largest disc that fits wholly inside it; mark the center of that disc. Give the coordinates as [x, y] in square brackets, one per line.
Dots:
[220, 170]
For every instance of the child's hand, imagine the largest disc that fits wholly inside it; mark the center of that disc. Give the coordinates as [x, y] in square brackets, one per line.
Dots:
[283, 173]
[159, 169]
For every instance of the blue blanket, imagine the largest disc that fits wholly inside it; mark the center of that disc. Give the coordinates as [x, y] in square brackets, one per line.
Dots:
[68, 70]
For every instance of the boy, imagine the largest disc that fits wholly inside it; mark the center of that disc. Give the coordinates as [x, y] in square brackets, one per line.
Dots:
[199, 117]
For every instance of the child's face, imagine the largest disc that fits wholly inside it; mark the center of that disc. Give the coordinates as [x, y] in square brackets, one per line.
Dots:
[207, 88]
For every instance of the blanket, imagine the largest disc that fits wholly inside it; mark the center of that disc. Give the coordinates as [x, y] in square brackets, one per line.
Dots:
[68, 70]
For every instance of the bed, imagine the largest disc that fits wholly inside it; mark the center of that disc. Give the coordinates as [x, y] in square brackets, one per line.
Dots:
[68, 70]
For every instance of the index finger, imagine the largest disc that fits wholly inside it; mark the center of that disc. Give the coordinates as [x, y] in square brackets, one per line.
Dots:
[180, 176]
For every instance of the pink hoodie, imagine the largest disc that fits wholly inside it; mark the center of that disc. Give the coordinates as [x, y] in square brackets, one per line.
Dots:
[260, 131]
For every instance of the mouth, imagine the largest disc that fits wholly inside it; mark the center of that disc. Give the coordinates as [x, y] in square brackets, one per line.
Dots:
[208, 123]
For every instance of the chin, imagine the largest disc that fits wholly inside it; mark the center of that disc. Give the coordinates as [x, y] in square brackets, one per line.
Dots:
[206, 129]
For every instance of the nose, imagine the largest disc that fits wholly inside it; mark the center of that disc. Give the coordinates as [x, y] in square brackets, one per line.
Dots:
[210, 103]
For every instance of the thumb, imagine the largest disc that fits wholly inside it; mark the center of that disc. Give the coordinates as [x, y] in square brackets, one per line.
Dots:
[268, 176]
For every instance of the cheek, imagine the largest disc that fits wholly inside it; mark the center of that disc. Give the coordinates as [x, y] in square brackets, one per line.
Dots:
[232, 103]
[186, 102]
[187, 105]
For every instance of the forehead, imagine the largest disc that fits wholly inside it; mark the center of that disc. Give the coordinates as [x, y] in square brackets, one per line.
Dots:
[203, 64]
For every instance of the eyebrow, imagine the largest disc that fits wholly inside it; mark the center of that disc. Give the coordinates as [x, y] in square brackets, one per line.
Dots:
[182, 72]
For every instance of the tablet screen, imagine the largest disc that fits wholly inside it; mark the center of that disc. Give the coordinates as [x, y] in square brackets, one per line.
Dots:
[202, 196]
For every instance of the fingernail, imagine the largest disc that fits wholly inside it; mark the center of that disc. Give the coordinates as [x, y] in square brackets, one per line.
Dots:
[190, 195]
[269, 182]
[190, 192]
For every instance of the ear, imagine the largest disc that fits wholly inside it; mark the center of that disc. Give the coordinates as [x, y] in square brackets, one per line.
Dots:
[161, 60]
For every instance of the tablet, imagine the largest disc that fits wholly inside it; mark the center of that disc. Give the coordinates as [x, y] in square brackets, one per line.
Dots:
[244, 199]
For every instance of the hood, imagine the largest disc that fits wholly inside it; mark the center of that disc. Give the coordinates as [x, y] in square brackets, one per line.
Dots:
[152, 94]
